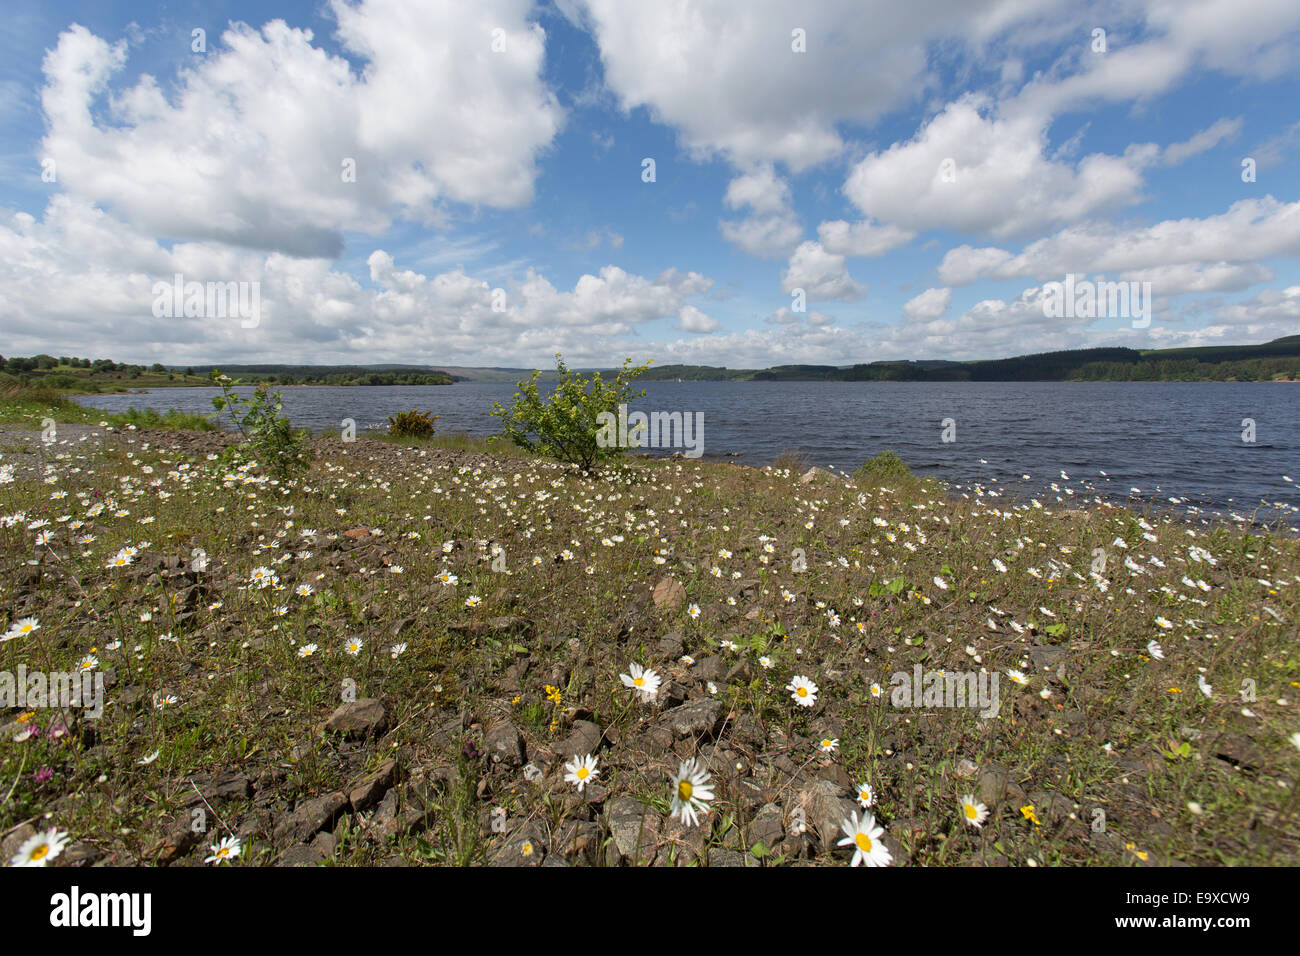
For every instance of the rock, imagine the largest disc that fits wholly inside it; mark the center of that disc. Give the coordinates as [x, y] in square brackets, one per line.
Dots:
[302, 855]
[525, 848]
[1238, 749]
[227, 785]
[684, 844]
[825, 809]
[1046, 656]
[175, 843]
[371, 788]
[577, 840]
[13, 841]
[668, 648]
[767, 827]
[634, 829]
[718, 856]
[669, 595]
[697, 719]
[503, 744]
[367, 717]
[710, 668]
[509, 625]
[812, 474]
[584, 738]
[310, 818]
[997, 787]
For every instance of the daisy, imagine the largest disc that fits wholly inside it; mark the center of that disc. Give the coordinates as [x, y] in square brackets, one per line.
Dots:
[397, 650]
[691, 791]
[1155, 650]
[866, 796]
[304, 590]
[973, 812]
[307, 650]
[353, 647]
[1018, 677]
[473, 601]
[802, 691]
[864, 837]
[644, 682]
[766, 662]
[225, 851]
[694, 612]
[23, 627]
[38, 850]
[829, 745]
[581, 770]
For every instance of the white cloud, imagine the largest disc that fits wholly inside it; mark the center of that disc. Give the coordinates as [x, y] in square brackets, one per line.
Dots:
[971, 171]
[930, 304]
[821, 274]
[861, 238]
[1188, 255]
[725, 76]
[771, 230]
[224, 158]
[693, 320]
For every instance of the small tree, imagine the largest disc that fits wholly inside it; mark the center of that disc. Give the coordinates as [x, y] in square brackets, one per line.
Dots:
[566, 425]
[267, 434]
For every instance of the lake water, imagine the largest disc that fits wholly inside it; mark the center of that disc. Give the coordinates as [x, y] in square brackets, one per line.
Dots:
[1168, 439]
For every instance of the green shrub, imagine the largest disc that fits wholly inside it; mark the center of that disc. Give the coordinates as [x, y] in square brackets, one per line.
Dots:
[412, 424]
[884, 466]
[566, 426]
[269, 439]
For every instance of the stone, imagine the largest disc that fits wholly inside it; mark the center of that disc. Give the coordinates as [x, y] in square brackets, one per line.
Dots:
[367, 717]
[371, 789]
[669, 595]
[301, 855]
[503, 744]
[309, 818]
[634, 829]
[996, 787]
[584, 738]
[696, 719]
[767, 827]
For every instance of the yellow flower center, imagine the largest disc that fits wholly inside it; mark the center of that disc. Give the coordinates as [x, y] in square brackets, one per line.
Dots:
[638, 681]
[684, 790]
[582, 773]
[970, 812]
[40, 852]
[802, 691]
[864, 842]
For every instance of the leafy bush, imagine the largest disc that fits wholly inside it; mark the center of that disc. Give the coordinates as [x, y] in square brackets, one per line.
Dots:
[566, 425]
[412, 424]
[884, 466]
[268, 437]
[792, 461]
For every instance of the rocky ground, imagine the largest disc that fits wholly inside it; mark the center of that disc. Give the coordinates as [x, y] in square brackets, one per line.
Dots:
[469, 617]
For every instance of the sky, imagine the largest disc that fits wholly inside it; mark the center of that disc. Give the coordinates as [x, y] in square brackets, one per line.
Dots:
[726, 182]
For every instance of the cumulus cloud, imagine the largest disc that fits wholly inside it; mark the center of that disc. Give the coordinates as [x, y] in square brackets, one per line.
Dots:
[821, 274]
[1186, 255]
[221, 158]
[725, 76]
[969, 170]
[771, 230]
[930, 304]
[861, 238]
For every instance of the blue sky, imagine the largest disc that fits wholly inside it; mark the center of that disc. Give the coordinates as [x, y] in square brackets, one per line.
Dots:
[519, 169]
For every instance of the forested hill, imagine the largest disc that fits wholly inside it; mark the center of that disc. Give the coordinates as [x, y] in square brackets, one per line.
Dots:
[1276, 360]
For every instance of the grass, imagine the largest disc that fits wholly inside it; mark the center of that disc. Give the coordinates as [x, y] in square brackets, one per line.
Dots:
[20, 405]
[895, 574]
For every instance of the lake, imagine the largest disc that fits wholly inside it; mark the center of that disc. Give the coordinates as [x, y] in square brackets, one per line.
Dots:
[1167, 439]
